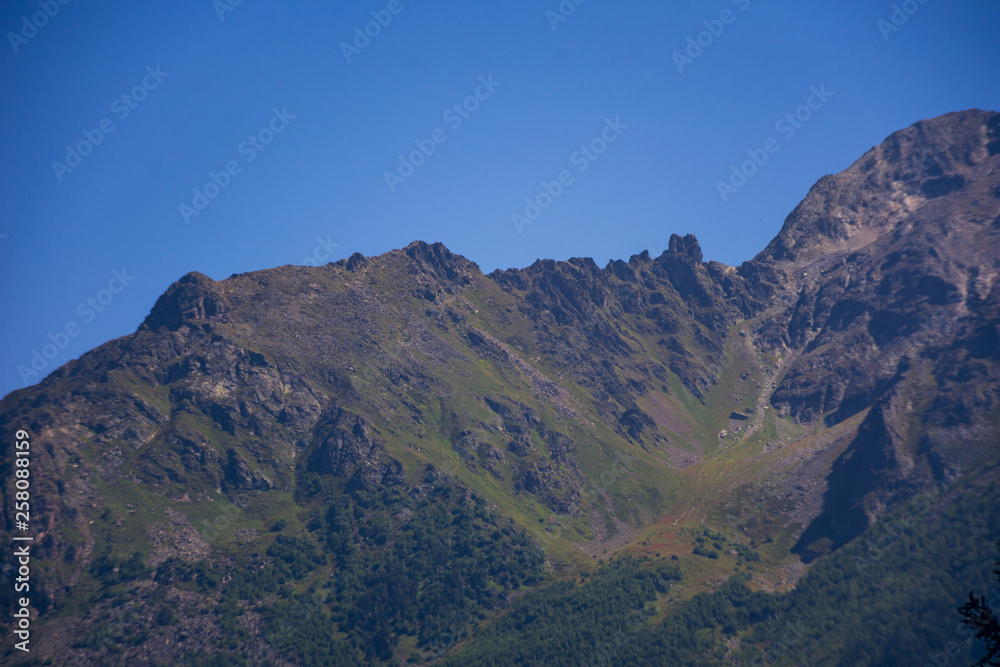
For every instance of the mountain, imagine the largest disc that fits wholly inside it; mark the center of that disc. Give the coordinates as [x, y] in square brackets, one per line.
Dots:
[400, 458]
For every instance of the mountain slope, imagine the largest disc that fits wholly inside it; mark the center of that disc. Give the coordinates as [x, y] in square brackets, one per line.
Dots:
[298, 438]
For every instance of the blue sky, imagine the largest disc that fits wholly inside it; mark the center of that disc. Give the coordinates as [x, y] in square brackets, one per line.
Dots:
[204, 82]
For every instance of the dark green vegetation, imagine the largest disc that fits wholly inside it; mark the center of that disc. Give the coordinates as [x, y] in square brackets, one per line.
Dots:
[373, 569]
[891, 610]
[981, 616]
[398, 459]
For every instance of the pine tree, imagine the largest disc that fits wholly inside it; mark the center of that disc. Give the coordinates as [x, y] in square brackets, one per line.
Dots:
[977, 615]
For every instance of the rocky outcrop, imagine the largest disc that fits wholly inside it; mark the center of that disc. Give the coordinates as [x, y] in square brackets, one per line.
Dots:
[192, 299]
[349, 449]
[893, 268]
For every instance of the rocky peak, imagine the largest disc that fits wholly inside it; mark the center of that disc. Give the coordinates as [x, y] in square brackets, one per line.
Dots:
[193, 297]
[882, 190]
[436, 259]
[685, 247]
[355, 262]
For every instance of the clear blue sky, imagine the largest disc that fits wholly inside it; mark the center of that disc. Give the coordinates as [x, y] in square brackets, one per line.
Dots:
[323, 177]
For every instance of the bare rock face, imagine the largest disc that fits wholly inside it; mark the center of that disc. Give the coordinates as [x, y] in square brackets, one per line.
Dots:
[349, 449]
[240, 476]
[440, 263]
[891, 271]
[193, 298]
[560, 445]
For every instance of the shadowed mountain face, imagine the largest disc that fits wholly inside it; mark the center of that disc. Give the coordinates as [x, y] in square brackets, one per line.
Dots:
[890, 304]
[852, 364]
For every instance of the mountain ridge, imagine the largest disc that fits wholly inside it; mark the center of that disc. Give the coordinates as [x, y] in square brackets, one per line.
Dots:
[847, 368]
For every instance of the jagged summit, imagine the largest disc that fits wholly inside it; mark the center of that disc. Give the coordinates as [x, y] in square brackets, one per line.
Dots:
[901, 179]
[330, 414]
[685, 247]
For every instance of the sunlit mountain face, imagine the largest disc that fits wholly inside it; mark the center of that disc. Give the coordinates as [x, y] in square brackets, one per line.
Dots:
[665, 460]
